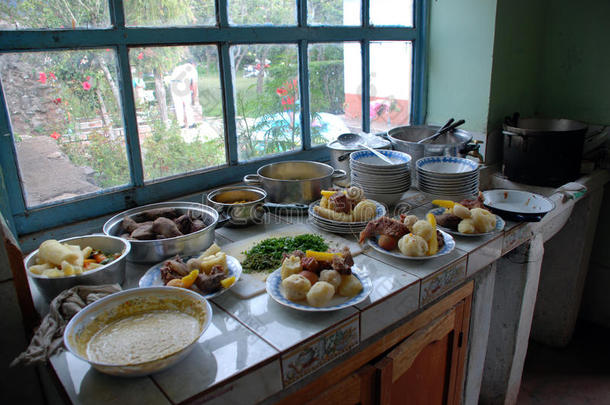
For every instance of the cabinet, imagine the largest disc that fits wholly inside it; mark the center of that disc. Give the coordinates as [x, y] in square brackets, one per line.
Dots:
[418, 362]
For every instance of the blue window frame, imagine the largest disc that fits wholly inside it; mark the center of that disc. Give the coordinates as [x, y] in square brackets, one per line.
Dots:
[120, 37]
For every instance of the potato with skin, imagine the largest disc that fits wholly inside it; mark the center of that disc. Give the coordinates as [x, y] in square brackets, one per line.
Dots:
[320, 294]
[296, 287]
[350, 286]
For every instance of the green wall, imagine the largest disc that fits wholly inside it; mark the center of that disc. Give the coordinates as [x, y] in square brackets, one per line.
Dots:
[460, 61]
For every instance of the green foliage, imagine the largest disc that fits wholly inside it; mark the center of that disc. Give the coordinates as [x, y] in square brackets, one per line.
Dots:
[326, 89]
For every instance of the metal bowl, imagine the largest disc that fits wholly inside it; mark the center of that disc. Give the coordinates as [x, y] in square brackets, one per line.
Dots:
[113, 272]
[153, 251]
[86, 323]
[226, 201]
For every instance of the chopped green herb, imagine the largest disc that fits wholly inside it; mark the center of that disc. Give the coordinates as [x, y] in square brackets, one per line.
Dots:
[267, 254]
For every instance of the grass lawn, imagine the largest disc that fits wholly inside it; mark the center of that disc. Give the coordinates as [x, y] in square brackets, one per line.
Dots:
[210, 94]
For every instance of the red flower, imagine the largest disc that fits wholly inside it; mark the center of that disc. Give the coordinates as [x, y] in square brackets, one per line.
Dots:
[57, 100]
[52, 76]
[108, 49]
[141, 55]
[42, 77]
[86, 86]
[88, 78]
[281, 91]
[55, 135]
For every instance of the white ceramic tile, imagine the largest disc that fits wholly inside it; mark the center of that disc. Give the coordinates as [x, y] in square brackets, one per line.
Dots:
[442, 281]
[281, 326]
[483, 256]
[516, 237]
[384, 313]
[418, 268]
[85, 385]
[225, 349]
[268, 223]
[322, 349]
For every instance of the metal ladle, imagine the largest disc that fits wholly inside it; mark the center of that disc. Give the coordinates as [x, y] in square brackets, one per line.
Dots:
[355, 140]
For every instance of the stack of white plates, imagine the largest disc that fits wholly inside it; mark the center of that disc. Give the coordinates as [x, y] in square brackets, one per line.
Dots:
[349, 228]
[380, 180]
[446, 177]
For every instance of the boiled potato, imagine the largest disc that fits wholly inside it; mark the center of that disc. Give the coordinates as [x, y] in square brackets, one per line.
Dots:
[365, 210]
[296, 287]
[484, 221]
[291, 265]
[320, 294]
[424, 229]
[212, 250]
[350, 286]
[466, 226]
[218, 259]
[413, 245]
[53, 252]
[409, 221]
[460, 211]
[331, 276]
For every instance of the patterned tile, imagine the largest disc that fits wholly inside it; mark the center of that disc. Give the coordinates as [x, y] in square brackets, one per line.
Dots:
[484, 255]
[442, 281]
[516, 237]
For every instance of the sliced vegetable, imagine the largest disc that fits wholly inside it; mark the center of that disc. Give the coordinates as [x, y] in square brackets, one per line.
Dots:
[187, 281]
[432, 242]
[444, 203]
[227, 282]
[99, 257]
[321, 256]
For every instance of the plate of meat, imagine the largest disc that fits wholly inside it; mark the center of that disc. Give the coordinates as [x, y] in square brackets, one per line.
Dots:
[219, 273]
[408, 237]
[466, 218]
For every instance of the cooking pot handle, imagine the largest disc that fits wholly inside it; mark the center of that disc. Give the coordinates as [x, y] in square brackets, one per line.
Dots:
[252, 179]
[223, 219]
[339, 174]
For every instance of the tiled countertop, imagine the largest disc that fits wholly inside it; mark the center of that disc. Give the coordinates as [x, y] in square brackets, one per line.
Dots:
[256, 347]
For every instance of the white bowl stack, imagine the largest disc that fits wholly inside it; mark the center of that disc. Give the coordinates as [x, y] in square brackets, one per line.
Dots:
[380, 180]
[447, 177]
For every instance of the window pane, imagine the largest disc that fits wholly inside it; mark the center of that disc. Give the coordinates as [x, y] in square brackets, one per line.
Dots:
[262, 12]
[335, 90]
[67, 122]
[390, 87]
[179, 108]
[392, 12]
[169, 12]
[53, 14]
[267, 99]
[333, 12]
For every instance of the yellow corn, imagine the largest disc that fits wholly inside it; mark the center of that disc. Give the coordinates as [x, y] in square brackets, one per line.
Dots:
[227, 282]
[328, 193]
[321, 256]
[433, 242]
[444, 203]
[188, 281]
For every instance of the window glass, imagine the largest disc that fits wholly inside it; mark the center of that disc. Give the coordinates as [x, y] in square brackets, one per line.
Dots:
[169, 12]
[333, 12]
[179, 108]
[67, 122]
[391, 12]
[262, 12]
[390, 85]
[335, 90]
[53, 14]
[267, 100]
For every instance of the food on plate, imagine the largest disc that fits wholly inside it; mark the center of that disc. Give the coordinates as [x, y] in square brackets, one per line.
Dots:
[55, 259]
[296, 287]
[291, 265]
[424, 229]
[205, 273]
[390, 227]
[321, 276]
[387, 242]
[320, 294]
[346, 205]
[160, 223]
[467, 216]
[413, 245]
[268, 254]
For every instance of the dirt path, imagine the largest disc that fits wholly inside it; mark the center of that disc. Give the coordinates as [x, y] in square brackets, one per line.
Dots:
[47, 173]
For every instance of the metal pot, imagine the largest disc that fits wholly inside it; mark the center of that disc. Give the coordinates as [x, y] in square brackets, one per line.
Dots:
[152, 251]
[339, 154]
[296, 181]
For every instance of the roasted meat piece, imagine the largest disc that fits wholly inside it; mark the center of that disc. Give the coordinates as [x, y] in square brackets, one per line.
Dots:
[341, 203]
[151, 215]
[439, 239]
[310, 264]
[448, 220]
[144, 232]
[385, 226]
[173, 268]
[184, 223]
[165, 227]
[340, 265]
[296, 253]
[129, 225]
[476, 203]
[209, 284]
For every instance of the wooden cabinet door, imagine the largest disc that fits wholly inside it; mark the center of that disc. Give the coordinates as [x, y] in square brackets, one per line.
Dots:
[427, 367]
[355, 389]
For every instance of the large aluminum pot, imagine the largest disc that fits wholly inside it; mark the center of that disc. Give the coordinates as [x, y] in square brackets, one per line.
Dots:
[296, 181]
[152, 251]
[339, 153]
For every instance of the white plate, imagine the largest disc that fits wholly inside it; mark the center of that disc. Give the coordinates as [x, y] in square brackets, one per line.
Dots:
[275, 290]
[449, 246]
[518, 202]
[368, 158]
[446, 165]
[152, 277]
[500, 224]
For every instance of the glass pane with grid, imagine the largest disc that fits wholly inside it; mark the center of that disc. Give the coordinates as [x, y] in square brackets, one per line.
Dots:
[262, 12]
[333, 12]
[391, 12]
[167, 13]
[53, 14]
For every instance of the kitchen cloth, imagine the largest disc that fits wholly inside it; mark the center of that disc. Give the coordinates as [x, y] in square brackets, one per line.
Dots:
[48, 339]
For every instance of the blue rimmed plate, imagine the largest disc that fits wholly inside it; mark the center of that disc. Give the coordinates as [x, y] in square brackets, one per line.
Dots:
[500, 224]
[275, 290]
[447, 248]
[152, 277]
[447, 166]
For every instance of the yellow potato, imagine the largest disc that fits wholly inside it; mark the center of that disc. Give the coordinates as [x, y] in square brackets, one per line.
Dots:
[291, 265]
[333, 215]
[350, 286]
[365, 210]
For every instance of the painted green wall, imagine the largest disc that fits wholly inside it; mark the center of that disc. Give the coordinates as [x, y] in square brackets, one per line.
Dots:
[460, 61]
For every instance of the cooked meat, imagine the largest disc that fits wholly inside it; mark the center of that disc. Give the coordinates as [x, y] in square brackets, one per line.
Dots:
[129, 225]
[476, 203]
[439, 239]
[347, 256]
[296, 253]
[184, 223]
[340, 203]
[177, 266]
[448, 220]
[217, 269]
[209, 284]
[166, 227]
[310, 264]
[385, 226]
[144, 232]
[339, 264]
[151, 215]
[197, 225]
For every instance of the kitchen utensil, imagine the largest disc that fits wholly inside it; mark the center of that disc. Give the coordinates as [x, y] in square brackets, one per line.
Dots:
[356, 140]
[111, 273]
[152, 251]
[500, 224]
[517, 205]
[134, 301]
[447, 248]
[442, 131]
[296, 181]
[543, 152]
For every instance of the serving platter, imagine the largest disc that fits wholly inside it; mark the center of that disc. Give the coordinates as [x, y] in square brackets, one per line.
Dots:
[341, 227]
[275, 290]
[500, 224]
[518, 205]
[447, 248]
[152, 277]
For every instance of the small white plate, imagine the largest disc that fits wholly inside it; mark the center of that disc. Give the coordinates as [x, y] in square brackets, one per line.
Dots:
[500, 224]
[152, 277]
[449, 246]
[275, 290]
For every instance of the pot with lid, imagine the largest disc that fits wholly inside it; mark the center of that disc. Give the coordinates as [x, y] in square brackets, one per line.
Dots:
[339, 154]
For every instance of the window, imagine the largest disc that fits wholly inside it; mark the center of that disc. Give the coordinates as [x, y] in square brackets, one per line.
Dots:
[105, 105]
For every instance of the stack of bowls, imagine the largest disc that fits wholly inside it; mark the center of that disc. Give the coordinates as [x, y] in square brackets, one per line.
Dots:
[447, 177]
[380, 180]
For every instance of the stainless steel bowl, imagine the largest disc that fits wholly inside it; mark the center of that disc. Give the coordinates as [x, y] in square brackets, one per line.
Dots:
[112, 273]
[99, 314]
[226, 201]
[153, 251]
